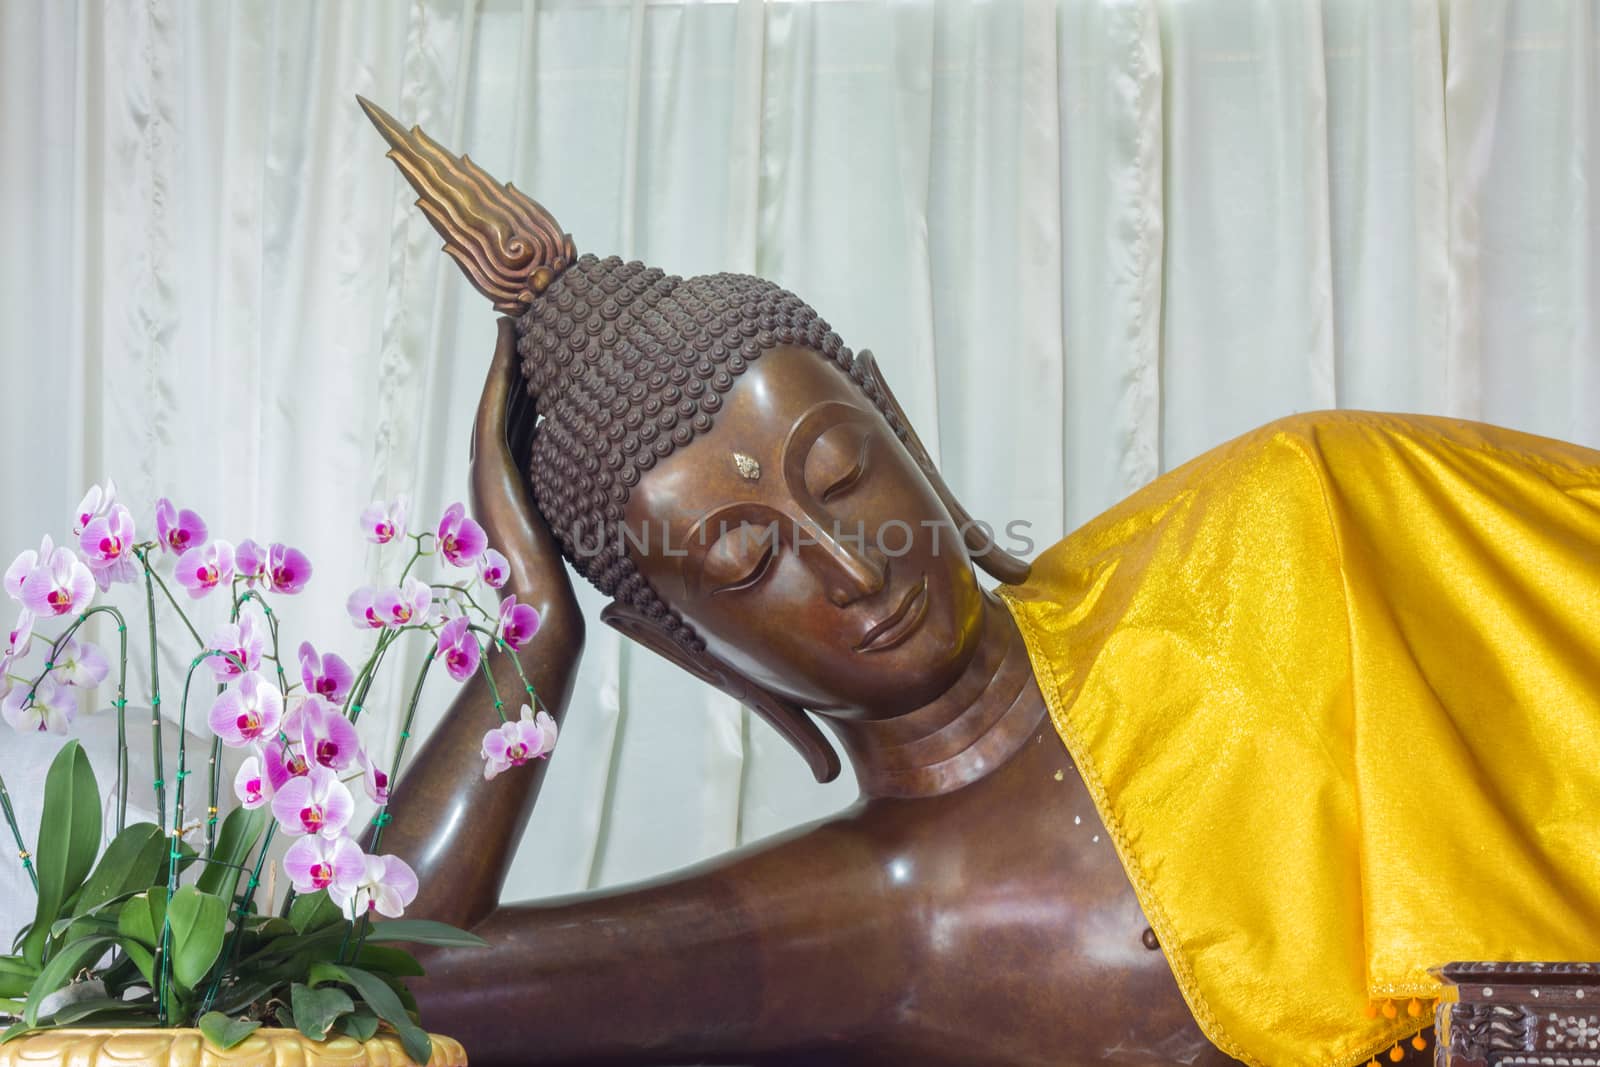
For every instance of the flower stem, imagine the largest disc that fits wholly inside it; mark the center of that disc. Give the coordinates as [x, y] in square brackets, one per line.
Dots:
[143, 553]
[176, 606]
[121, 704]
[164, 976]
[418, 554]
[516, 662]
[16, 834]
[241, 908]
[466, 592]
[369, 671]
[488, 675]
[381, 819]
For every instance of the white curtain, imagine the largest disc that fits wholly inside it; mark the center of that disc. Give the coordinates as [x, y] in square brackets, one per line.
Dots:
[1086, 240]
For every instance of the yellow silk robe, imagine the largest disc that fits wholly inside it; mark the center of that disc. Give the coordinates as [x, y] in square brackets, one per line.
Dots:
[1335, 689]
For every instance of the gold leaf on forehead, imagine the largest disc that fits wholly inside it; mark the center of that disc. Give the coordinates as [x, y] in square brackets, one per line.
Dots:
[747, 466]
[508, 246]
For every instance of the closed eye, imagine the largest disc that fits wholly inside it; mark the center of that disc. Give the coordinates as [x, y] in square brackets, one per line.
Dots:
[755, 574]
[851, 476]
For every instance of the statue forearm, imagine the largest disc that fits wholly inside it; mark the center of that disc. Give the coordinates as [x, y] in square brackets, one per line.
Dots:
[725, 963]
[459, 832]
[456, 830]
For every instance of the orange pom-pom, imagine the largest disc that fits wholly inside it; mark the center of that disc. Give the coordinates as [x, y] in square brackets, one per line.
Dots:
[1419, 1042]
[1397, 1054]
[1414, 1008]
[1371, 1010]
[1389, 1010]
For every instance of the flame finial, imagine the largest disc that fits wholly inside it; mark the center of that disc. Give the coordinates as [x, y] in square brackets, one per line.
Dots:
[508, 246]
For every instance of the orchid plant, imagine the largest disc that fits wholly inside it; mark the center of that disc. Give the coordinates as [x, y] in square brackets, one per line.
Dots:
[166, 928]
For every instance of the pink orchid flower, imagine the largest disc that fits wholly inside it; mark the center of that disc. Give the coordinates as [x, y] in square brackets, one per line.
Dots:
[375, 780]
[250, 562]
[493, 568]
[95, 503]
[283, 761]
[288, 569]
[511, 744]
[328, 676]
[19, 640]
[58, 583]
[251, 784]
[243, 641]
[409, 605]
[362, 607]
[107, 545]
[336, 865]
[178, 531]
[383, 522]
[387, 886]
[326, 737]
[81, 664]
[518, 623]
[202, 569]
[247, 711]
[314, 803]
[461, 540]
[26, 563]
[458, 648]
[52, 710]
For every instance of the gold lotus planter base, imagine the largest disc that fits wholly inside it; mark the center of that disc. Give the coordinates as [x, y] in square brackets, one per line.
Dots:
[189, 1048]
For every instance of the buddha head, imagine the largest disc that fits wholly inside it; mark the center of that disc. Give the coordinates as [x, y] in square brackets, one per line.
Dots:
[711, 456]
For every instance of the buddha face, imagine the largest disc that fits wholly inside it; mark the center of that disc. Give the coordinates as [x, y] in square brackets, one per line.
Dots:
[803, 543]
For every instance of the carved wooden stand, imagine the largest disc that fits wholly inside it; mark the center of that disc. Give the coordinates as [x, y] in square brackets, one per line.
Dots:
[1511, 1014]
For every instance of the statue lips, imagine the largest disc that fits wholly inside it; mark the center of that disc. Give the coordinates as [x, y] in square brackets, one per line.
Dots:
[901, 623]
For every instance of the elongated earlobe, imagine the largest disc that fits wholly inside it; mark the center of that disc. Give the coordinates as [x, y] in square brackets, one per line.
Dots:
[996, 562]
[788, 718]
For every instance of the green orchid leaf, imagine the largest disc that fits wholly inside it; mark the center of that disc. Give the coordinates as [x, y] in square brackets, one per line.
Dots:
[359, 1024]
[143, 915]
[316, 1010]
[131, 863]
[382, 1000]
[390, 961]
[407, 1001]
[199, 921]
[267, 927]
[239, 833]
[424, 932]
[101, 1009]
[236, 998]
[224, 1032]
[142, 958]
[16, 976]
[73, 957]
[69, 837]
[314, 911]
[71, 928]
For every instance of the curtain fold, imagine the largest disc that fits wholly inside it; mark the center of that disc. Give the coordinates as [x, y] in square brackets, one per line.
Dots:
[1086, 239]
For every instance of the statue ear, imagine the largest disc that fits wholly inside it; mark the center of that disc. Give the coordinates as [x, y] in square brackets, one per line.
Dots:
[1000, 564]
[788, 718]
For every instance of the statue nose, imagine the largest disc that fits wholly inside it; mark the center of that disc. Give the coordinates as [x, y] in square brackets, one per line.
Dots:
[854, 569]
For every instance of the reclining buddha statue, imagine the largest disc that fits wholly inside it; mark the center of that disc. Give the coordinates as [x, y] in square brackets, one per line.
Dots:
[1222, 775]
